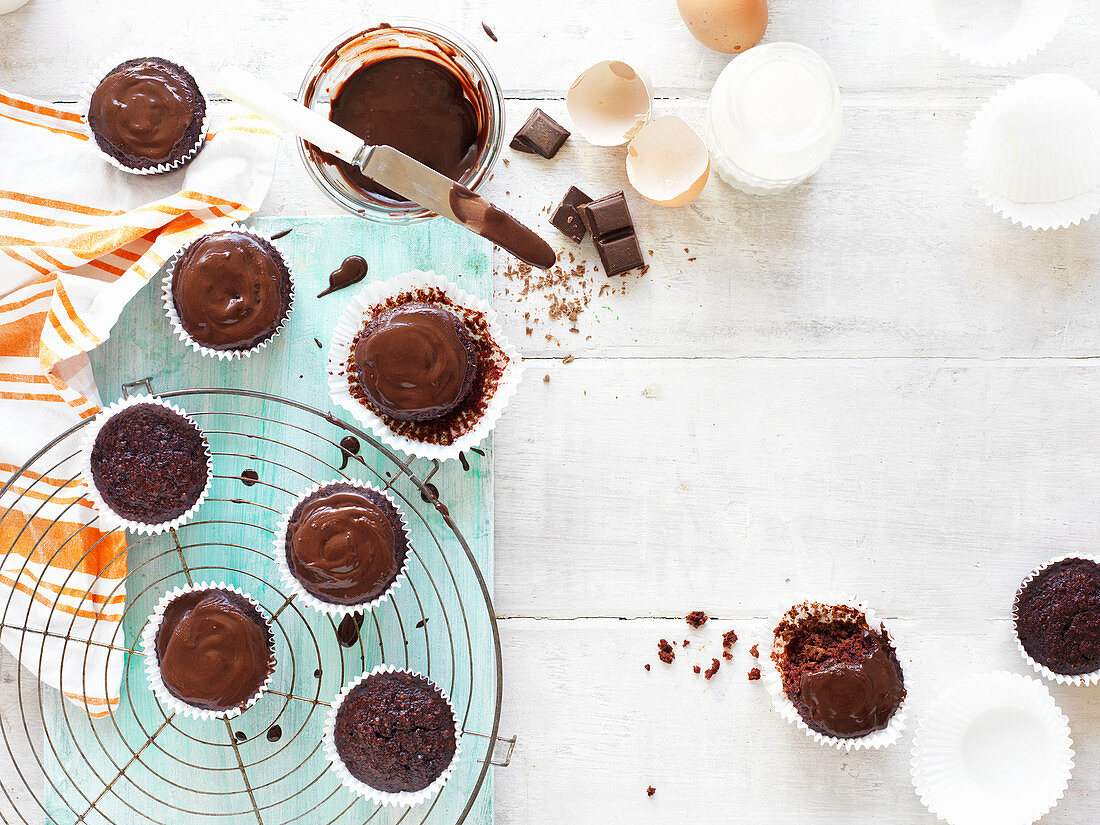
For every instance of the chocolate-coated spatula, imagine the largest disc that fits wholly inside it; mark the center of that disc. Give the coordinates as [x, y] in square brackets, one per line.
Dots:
[392, 169]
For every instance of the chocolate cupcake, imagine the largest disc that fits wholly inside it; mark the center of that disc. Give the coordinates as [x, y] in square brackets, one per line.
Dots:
[343, 547]
[209, 651]
[1057, 619]
[838, 673]
[392, 736]
[147, 115]
[228, 292]
[147, 464]
[423, 364]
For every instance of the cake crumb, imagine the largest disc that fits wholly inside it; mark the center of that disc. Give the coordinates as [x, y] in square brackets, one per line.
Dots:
[697, 669]
[567, 359]
[546, 379]
[714, 665]
[687, 643]
[754, 651]
[696, 618]
[647, 667]
[729, 639]
[754, 674]
[650, 791]
[727, 655]
[665, 652]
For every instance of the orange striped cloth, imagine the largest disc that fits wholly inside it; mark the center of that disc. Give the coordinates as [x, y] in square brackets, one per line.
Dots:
[78, 239]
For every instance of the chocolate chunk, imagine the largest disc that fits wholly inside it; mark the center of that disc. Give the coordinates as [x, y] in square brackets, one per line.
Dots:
[567, 217]
[613, 233]
[540, 135]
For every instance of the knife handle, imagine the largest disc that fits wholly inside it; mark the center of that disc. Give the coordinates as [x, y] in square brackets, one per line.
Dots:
[290, 114]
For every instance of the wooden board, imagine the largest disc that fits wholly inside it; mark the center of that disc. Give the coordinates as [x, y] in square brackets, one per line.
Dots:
[188, 771]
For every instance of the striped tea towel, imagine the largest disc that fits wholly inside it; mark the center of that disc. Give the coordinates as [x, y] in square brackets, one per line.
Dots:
[78, 238]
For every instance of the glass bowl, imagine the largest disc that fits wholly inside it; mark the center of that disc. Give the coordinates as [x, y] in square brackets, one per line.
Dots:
[404, 36]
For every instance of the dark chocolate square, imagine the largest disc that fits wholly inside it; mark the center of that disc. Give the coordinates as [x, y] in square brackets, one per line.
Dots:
[619, 254]
[608, 216]
[567, 217]
[540, 135]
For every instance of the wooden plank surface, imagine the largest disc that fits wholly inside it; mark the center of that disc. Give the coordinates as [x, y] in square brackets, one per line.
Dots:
[870, 384]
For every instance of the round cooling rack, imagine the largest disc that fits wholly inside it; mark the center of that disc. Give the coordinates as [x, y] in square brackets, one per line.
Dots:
[145, 764]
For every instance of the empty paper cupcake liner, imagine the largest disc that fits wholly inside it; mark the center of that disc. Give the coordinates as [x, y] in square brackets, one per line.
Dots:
[995, 44]
[995, 748]
[1064, 189]
[406, 798]
[108, 518]
[152, 661]
[296, 587]
[85, 103]
[1079, 680]
[368, 303]
[173, 314]
[769, 673]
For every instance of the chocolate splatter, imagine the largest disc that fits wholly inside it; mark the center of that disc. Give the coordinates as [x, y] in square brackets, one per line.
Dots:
[317, 341]
[349, 446]
[465, 464]
[317, 673]
[476, 450]
[351, 271]
[282, 234]
[492, 34]
[274, 733]
[421, 623]
[249, 477]
[347, 634]
[241, 735]
[432, 490]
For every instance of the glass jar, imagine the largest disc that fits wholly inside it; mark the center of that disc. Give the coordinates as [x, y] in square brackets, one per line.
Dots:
[773, 119]
[401, 37]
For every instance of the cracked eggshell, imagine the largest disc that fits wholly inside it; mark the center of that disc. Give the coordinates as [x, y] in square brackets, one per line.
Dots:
[667, 162]
[727, 26]
[609, 102]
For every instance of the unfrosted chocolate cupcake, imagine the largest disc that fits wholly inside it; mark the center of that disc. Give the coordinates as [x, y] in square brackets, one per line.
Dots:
[214, 649]
[147, 112]
[231, 290]
[841, 675]
[395, 732]
[1057, 616]
[149, 463]
[415, 362]
[345, 544]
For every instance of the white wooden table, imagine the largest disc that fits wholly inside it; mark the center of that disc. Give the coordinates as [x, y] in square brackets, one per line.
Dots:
[872, 385]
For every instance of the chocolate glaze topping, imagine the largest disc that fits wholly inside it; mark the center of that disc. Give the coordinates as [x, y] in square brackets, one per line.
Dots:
[231, 290]
[498, 226]
[415, 105]
[214, 649]
[416, 362]
[351, 271]
[144, 111]
[345, 544]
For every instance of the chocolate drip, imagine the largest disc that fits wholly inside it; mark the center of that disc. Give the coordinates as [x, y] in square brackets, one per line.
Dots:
[351, 271]
[501, 228]
[347, 634]
[349, 446]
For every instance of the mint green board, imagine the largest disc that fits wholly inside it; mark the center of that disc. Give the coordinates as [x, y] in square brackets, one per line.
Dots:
[137, 768]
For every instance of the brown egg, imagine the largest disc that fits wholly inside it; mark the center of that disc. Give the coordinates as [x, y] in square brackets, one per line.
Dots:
[729, 26]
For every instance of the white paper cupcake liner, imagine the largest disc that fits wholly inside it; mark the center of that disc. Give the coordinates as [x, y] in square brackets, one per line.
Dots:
[361, 309]
[769, 673]
[1031, 151]
[1080, 680]
[296, 587]
[407, 798]
[85, 102]
[108, 518]
[173, 314]
[1036, 24]
[995, 748]
[152, 663]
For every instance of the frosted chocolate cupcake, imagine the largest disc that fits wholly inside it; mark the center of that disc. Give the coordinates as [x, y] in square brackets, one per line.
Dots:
[229, 292]
[148, 115]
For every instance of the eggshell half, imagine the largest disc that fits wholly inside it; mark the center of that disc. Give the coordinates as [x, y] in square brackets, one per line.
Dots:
[609, 103]
[667, 162]
[728, 26]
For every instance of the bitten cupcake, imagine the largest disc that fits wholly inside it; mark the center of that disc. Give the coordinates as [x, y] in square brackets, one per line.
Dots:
[343, 547]
[836, 673]
[147, 464]
[1057, 620]
[148, 115]
[228, 292]
[423, 364]
[392, 736]
[209, 651]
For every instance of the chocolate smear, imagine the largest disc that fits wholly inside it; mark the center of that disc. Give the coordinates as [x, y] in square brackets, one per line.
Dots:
[347, 634]
[249, 477]
[351, 271]
[349, 446]
[282, 234]
[492, 34]
[274, 733]
[486, 220]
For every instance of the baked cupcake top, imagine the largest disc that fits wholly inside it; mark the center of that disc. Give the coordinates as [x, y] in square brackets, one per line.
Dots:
[214, 649]
[415, 362]
[1057, 615]
[345, 544]
[231, 290]
[842, 677]
[149, 463]
[147, 111]
[395, 732]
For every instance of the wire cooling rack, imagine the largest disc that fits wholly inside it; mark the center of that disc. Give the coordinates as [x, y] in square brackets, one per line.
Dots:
[143, 764]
